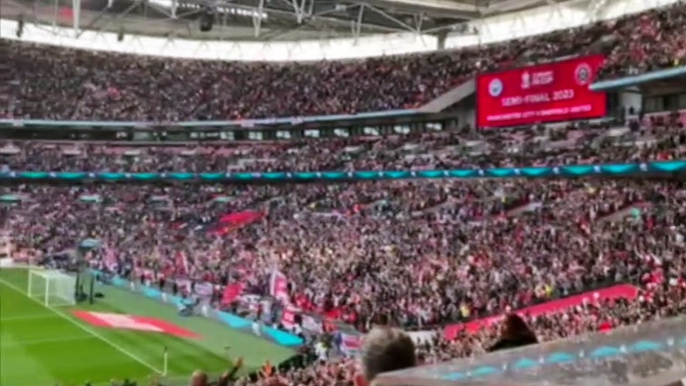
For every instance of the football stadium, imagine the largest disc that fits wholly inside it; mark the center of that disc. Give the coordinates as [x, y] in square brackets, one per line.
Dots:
[343, 193]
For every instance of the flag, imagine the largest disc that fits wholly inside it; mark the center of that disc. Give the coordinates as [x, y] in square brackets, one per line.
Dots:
[204, 289]
[278, 287]
[312, 325]
[349, 344]
[182, 265]
[232, 292]
[111, 259]
[288, 317]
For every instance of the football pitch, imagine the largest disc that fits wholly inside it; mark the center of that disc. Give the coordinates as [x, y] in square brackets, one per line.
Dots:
[42, 345]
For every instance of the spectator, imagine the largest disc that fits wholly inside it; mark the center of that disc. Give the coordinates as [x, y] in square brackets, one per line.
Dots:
[199, 378]
[385, 350]
[515, 334]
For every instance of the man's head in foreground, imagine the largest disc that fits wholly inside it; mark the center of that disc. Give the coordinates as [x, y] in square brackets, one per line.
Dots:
[383, 350]
[516, 333]
[199, 378]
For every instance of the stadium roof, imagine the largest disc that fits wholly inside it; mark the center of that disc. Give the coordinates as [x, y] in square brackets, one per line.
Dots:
[268, 20]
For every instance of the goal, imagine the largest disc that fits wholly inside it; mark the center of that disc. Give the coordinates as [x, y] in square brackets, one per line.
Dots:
[53, 288]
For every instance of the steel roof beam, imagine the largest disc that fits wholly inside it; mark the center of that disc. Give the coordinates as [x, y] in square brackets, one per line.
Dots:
[444, 5]
[509, 6]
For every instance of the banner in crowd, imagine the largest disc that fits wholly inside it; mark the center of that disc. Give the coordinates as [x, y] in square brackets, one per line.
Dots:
[181, 264]
[623, 291]
[348, 344]
[278, 287]
[110, 258]
[288, 318]
[573, 171]
[204, 289]
[543, 93]
[423, 337]
[232, 292]
[312, 325]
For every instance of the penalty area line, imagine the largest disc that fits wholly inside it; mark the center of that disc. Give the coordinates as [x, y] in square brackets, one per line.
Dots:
[86, 329]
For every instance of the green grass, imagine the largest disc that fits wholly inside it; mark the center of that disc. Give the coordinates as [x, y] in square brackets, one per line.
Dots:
[43, 346]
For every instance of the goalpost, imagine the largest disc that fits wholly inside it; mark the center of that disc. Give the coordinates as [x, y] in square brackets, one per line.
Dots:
[53, 288]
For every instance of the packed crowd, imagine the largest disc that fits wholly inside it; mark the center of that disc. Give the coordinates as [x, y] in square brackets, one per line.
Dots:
[384, 253]
[450, 229]
[660, 302]
[663, 140]
[360, 266]
[64, 84]
[651, 44]
[582, 321]
[393, 263]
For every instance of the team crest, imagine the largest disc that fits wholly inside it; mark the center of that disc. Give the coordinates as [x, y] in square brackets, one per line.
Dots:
[495, 87]
[582, 74]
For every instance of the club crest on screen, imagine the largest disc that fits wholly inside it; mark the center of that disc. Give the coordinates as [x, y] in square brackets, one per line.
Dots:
[582, 74]
[495, 88]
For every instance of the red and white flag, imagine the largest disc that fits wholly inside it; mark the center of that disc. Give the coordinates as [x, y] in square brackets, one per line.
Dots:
[181, 262]
[350, 344]
[288, 317]
[278, 287]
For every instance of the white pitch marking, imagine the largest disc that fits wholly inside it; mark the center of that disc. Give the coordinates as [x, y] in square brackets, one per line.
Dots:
[42, 341]
[26, 317]
[84, 328]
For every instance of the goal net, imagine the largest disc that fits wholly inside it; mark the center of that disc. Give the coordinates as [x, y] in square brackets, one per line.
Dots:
[53, 288]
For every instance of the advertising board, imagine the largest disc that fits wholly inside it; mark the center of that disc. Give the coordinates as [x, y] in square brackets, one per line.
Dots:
[543, 93]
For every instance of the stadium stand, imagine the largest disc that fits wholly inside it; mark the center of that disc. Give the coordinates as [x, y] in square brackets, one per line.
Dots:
[441, 259]
[508, 241]
[63, 84]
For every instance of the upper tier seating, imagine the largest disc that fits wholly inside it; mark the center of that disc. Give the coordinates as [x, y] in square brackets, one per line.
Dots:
[65, 84]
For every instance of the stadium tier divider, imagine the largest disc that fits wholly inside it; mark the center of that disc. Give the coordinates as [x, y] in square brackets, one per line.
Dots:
[279, 337]
[606, 170]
